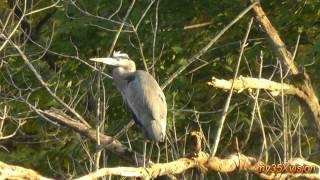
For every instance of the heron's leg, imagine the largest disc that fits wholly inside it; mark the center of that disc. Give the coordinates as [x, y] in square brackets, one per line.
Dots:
[158, 158]
[151, 150]
[144, 153]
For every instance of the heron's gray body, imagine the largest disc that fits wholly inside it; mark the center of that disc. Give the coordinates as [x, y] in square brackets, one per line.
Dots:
[141, 93]
[145, 99]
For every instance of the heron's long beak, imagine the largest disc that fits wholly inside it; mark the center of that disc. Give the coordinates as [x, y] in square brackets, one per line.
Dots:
[109, 61]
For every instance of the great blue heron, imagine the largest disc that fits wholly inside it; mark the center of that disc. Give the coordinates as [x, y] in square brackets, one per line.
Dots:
[141, 93]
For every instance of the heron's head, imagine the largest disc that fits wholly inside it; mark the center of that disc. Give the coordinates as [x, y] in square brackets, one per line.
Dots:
[118, 59]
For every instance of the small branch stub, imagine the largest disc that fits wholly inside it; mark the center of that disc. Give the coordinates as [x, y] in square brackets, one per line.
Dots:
[196, 138]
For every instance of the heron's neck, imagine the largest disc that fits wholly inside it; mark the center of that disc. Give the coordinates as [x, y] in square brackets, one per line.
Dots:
[125, 70]
[121, 73]
[130, 66]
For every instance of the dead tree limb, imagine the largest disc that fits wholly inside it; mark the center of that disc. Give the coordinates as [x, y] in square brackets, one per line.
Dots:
[297, 168]
[16, 172]
[108, 142]
[307, 97]
[249, 84]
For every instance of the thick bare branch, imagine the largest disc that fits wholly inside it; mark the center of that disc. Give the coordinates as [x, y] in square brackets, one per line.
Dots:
[300, 78]
[241, 162]
[236, 162]
[16, 172]
[110, 143]
[277, 43]
[249, 84]
[296, 168]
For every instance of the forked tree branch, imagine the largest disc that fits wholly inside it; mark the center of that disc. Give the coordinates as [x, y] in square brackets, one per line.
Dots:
[301, 79]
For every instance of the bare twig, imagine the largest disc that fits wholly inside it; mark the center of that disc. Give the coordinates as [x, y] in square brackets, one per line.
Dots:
[7, 39]
[226, 107]
[45, 85]
[121, 27]
[194, 26]
[144, 14]
[255, 105]
[140, 49]
[155, 30]
[207, 47]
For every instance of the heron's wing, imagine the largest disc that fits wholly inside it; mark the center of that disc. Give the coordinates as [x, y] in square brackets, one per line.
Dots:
[134, 116]
[122, 85]
[145, 98]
